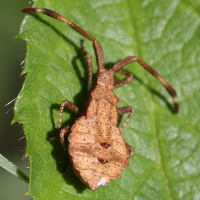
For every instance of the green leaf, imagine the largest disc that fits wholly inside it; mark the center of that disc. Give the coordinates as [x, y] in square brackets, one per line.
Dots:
[10, 167]
[165, 34]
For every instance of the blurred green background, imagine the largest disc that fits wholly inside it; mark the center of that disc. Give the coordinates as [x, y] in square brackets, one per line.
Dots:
[12, 140]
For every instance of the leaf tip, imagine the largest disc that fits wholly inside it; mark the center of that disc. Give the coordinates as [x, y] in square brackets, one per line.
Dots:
[13, 121]
[16, 37]
[23, 72]
[25, 194]
[26, 155]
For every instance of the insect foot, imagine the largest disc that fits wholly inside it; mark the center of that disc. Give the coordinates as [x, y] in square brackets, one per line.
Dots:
[97, 150]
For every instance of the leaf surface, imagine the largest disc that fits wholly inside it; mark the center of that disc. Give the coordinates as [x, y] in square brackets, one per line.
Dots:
[165, 34]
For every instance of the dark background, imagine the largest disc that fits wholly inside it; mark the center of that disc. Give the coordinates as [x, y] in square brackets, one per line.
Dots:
[12, 139]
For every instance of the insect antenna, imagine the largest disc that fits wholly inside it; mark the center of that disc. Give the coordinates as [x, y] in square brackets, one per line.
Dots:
[96, 45]
[168, 87]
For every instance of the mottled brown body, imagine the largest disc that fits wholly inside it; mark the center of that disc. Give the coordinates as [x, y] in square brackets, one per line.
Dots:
[96, 149]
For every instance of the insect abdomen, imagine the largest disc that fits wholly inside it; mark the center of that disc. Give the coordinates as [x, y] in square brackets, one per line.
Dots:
[96, 147]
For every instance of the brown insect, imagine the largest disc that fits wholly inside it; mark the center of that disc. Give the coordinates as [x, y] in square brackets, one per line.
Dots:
[97, 150]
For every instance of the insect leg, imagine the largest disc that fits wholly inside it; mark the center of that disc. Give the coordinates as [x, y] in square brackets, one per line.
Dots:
[70, 106]
[96, 45]
[63, 132]
[123, 110]
[89, 65]
[127, 79]
[129, 150]
[131, 59]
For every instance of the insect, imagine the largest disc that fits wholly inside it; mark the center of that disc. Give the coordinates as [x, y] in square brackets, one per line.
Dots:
[97, 150]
